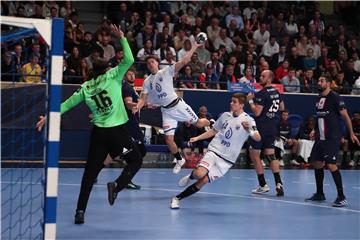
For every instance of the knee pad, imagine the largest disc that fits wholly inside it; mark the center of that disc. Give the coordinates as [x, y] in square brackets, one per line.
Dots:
[270, 157]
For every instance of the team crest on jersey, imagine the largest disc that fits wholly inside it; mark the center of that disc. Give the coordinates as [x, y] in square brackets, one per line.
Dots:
[228, 133]
[158, 87]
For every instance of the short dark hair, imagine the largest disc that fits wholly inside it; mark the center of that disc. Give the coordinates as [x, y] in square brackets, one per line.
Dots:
[240, 97]
[152, 57]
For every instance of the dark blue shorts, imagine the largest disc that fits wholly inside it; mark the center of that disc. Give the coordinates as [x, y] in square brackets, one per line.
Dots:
[325, 151]
[267, 141]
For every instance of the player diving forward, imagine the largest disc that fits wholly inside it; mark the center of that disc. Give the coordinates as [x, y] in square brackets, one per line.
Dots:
[231, 130]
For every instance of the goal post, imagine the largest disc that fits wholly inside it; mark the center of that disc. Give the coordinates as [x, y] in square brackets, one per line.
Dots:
[52, 31]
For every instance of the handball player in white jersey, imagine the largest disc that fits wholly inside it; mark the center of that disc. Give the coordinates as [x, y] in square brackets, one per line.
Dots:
[158, 91]
[231, 130]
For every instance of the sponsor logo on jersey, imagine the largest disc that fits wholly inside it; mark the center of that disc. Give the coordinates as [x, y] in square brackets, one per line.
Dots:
[237, 127]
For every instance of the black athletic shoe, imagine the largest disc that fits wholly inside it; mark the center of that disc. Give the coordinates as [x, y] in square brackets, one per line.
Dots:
[79, 217]
[340, 202]
[316, 197]
[132, 185]
[279, 190]
[112, 193]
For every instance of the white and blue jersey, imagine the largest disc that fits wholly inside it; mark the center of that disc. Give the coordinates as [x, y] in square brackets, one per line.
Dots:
[160, 87]
[231, 135]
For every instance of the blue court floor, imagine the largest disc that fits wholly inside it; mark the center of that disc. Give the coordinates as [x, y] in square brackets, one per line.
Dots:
[224, 209]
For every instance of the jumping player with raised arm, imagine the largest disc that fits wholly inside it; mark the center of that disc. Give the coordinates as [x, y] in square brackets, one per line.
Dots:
[158, 89]
[267, 102]
[231, 130]
[103, 96]
[329, 107]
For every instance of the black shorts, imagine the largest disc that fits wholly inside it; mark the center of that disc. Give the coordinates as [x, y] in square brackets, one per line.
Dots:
[325, 151]
[267, 141]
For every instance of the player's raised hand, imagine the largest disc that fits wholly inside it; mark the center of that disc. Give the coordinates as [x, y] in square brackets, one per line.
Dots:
[193, 139]
[250, 96]
[246, 125]
[40, 124]
[116, 31]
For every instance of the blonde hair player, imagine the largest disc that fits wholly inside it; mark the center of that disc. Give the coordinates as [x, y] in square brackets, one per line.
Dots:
[158, 90]
[231, 130]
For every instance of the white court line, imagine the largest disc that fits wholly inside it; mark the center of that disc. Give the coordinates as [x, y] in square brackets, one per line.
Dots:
[217, 194]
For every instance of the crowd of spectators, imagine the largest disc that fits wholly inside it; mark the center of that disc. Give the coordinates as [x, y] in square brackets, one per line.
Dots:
[294, 39]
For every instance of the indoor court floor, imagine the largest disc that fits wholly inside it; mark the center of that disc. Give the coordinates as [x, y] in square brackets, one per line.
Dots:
[224, 209]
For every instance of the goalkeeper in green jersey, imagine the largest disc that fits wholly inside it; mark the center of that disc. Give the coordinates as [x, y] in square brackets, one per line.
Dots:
[103, 96]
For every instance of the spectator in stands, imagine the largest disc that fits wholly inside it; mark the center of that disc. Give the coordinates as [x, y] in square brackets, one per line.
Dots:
[291, 82]
[179, 39]
[286, 137]
[278, 30]
[148, 33]
[186, 48]
[282, 71]
[146, 50]
[223, 39]
[342, 59]
[350, 74]
[302, 46]
[204, 54]
[261, 36]
[73, 61]
[291, 27]
[228, 77]
[109, 51]
[295, 60]
[318, 23]
[340, 85]
[182, 23]
[270, 48]
[164, 47]
[119, 55]
[169, 60]
[20, 12]
[8, 68]
[235, 14]
[323, 62]
[93, 57]
[279, 58]
[166, 22]
[85, 70]
[86, 45]
[249, 11]
[249, 77]
[313, 44]
[123, 16]
[308, 82]
[209, 80]
[18, 57]
[67, 9]
[50, 9]
[328, 38]
[197, 67]
[186, 79]
[73, 20]
[310, 60]
[32, 71]
[356, 60]
[190, 16]
[216, 64]
[352, 48]
[165, 36]
[339, 45]
[69, 75]
[353, 147]
[235, 35]
[214, 29]
[136, 25]
[233, 61]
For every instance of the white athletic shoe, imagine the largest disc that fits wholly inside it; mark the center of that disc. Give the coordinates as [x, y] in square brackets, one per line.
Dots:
[294, 162]
[184, 180]
[281, 163]
[175, 203]
[178, 166]
[261, 190]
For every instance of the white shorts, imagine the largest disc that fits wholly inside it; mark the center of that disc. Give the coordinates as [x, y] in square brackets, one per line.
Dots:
[216, 166]
[181, 112]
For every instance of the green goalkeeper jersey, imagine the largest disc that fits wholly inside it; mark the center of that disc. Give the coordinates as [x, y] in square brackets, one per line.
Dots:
[103, 94]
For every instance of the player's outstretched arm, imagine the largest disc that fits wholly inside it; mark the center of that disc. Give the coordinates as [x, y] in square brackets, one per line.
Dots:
[208, 134]
[128, 59]
[140, 104]
[180, 64]
[252, 130]
[255, 108]
[347, 119]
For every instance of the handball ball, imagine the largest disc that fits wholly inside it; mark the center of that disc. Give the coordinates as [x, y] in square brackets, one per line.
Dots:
[201, 38]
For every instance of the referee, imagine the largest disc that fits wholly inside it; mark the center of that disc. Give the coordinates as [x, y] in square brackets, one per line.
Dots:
[103, 96]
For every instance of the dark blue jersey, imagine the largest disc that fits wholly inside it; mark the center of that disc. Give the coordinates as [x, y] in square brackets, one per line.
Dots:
[270, 99]
[133, 124]
[328, 112]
